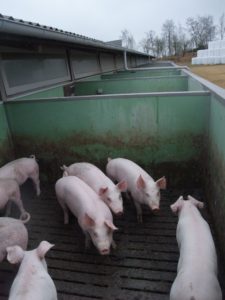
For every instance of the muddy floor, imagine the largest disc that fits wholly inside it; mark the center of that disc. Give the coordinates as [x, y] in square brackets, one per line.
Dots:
[142, 267]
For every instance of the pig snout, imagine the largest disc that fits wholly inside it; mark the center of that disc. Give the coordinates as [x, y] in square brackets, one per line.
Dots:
[155, 210]
[119, 213]
[105, 251]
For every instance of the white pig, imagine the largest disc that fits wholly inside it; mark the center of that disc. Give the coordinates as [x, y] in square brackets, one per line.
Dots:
[9, 190]
[197, 266]
[100, 183]
[12, 232]
[21, 169]
[143, 189]
[32, 281]
[94, 216]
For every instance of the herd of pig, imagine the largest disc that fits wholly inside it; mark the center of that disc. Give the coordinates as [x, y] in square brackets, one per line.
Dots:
[91, 196]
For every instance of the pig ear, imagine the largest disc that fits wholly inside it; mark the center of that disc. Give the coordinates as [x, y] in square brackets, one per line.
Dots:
[161, 183]
[122, 186]
[110, 225]
[176, 207]
[197, 203]
[88, 221]
[15, 254]
[102, 191]
[63, 168]
[65, 173]
[140, 182]
[43, 248]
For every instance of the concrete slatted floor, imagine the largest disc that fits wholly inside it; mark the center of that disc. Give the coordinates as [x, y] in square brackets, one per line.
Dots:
[142, 267]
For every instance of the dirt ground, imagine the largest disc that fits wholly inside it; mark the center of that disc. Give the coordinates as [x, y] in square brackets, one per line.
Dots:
[213, 73]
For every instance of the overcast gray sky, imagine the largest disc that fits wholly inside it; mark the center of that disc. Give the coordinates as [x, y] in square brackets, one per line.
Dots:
[104, 19]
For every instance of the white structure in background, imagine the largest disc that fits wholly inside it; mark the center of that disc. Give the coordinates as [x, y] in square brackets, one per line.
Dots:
[215, 54]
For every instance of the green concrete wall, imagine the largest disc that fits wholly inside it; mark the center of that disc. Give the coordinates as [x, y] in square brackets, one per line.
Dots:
[215, 179]
[48, 93]
[141, 73]
[6, 148]
[150, 130]
[139, 85]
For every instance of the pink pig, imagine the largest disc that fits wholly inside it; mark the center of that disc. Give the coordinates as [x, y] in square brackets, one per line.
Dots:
[12, 232]
[9, 190]
[21, 169]
[143, 189]
[197, 266]
[100, 183]
[94, 216]
[32, 280]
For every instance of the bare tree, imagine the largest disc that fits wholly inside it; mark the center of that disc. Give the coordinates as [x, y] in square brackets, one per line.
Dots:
[127, 39]
[148, 42]
[202, 30]
[168, 31]
[221, 26]
[159, 49]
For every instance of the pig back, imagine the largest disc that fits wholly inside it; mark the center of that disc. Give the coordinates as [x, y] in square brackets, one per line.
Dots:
[80, 198]
[12, 232]
[121, 168]
[92, 175]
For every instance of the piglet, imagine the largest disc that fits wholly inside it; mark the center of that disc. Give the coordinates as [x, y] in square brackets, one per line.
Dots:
[94, 216]
[143, 189]
[21, 169]
[32, 280]
[12, 232]
[9, 190]
[197, 266]
[100, 183]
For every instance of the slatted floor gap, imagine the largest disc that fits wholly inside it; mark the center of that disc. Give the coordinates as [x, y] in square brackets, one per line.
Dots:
[142, 267]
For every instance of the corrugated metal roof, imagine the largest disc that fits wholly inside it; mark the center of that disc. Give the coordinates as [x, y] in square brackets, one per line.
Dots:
[11, 25]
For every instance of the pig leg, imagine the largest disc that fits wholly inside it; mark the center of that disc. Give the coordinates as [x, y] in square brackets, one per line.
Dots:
[35, 178]
[8, 208]
[65, 210]
[113, 244]
[139, 211]
[16, 198]
[87, 240]
[128, 195]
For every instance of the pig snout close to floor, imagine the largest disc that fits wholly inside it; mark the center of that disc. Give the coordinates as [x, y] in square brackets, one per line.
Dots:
[21, 169]
[32, 280]
[100, 183]
[197, 266]
[141, 186]
[94, 216]
[10, 191]
[12, 232]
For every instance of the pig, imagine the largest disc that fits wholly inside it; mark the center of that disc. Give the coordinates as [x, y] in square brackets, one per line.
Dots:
[12, 232]
[9, 190]
[94, 216]
[32, 280]
[100, 183]
[21, 169]
[141, 186]
[197, 266]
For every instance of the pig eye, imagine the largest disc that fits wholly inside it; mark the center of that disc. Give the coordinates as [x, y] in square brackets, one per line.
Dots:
[95, 234]
[109, 200]
[147, 194]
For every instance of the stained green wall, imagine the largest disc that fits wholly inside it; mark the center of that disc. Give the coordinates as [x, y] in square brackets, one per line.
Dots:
[140, 85]
[149, 130]
[215, 180]
[141, 73]
[6, 149]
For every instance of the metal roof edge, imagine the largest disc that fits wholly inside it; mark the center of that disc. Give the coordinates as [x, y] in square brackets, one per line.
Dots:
[11, 25]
